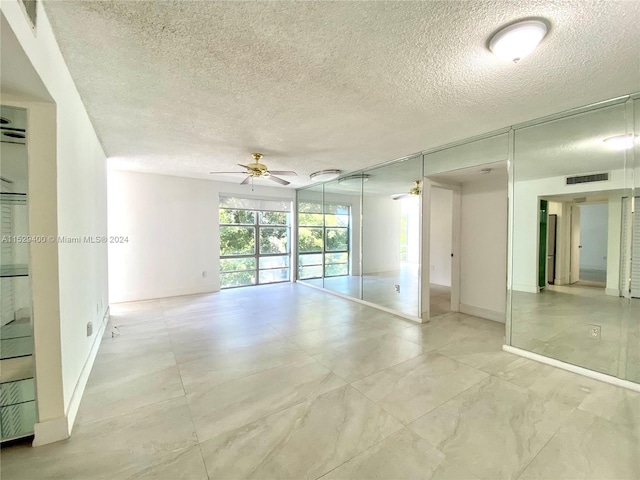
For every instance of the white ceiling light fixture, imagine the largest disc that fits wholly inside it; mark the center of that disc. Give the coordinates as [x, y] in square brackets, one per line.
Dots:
[620, 142]
[325, 175]
[516, 41]
[355, 178]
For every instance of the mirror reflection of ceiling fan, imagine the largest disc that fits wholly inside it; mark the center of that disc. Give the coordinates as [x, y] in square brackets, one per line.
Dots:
[412, 192]
[257, 170]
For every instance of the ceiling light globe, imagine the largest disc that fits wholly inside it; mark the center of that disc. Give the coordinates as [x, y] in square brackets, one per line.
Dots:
[620, 142]
[518, 40]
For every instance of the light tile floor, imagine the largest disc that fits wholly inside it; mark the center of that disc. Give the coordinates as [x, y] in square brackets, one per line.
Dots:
[557, 323]
[285, 381]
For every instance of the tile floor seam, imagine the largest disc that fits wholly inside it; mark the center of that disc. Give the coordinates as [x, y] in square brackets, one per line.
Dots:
[446, 401]
[303, 400]
[365, 450]
[524, 468]
[255, 373]
[430, 410]
[128, 412]
[243, 377]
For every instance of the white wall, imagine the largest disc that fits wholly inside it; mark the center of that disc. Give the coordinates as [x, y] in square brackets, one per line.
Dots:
[381, 234]
[593, 236]
[440, 246]
[67, 189]
[171, 224]
[483, 263]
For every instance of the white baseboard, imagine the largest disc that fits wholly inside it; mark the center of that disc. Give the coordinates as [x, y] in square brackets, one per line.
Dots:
[525, 288]
[182, 292]
[573, 368]
[614, 292]
[483, 313]
[60, 428]
[51, 431]
[364, 302]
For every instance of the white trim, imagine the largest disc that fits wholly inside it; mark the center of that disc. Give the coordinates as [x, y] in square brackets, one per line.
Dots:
[517, 287]
[364, 302]
[614, 292]
[573, 368]
[76, 397]
[50, 431]
[174, 292]
[483, 313]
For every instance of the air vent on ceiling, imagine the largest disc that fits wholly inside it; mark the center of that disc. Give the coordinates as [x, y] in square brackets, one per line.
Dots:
[592, 177]
[31, 9]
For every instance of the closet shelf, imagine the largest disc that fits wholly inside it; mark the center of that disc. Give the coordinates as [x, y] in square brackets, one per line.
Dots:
[17, 270]
[10, 198]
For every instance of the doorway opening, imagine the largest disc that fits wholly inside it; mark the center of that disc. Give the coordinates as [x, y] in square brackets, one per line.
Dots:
[591, 264]
[574, 242]
[441, 251]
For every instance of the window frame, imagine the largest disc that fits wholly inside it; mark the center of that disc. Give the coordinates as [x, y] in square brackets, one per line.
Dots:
[324, 251]
[257, 227]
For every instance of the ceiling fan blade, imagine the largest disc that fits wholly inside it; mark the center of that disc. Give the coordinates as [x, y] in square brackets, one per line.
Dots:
[398, 196]
[246, 180]
[244, 166]
[282, 172]
[219, 173]
[278, 180]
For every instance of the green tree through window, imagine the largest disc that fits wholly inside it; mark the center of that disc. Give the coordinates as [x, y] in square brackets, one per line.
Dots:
[319, 233]
[254, 247]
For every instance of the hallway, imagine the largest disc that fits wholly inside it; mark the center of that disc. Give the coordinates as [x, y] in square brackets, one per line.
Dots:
[285, 381]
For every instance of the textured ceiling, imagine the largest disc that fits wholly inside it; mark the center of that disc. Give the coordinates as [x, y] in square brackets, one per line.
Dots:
[184, 88]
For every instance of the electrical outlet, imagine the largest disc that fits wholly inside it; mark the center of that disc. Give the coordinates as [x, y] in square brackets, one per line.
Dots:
[89, 329]
[595, 331]
[204, 274]
[397, 288]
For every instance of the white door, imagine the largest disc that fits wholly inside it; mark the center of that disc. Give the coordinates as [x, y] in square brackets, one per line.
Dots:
[575, 244]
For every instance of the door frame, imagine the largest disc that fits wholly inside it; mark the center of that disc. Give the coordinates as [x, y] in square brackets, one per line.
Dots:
[456, 215]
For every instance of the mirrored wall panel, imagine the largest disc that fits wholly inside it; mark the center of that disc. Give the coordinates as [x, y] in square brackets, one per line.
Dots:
[359, 235]
[17, 385]
[391, 225]
[465, 220]
[632, 354]
[572, 239]
[342, 272]
[311, 235]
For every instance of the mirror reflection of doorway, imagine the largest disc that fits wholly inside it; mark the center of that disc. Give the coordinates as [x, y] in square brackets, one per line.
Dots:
[441, 248]
[591, 226]
[574, 242]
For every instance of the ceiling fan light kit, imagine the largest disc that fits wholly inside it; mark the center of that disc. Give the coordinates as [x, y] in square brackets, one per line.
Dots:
[414, 191]
[257, 170]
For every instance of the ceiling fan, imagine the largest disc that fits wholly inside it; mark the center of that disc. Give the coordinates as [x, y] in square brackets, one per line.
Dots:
[413, 191]
[257, 169]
